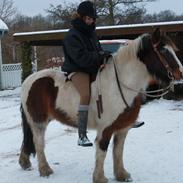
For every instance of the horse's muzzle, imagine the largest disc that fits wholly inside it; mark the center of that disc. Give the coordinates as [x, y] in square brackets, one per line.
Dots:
[177, 74]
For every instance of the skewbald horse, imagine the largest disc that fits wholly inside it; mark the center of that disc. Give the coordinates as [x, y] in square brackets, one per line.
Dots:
[45, 96]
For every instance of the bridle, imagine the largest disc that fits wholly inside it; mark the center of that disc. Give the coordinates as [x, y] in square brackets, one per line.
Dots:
[152, 92]
[163, 60]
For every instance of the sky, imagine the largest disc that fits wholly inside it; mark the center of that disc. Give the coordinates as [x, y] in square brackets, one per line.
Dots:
[152, 153]
[35, 7]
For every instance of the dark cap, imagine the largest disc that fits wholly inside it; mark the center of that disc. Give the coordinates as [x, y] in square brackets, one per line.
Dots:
[87, 8]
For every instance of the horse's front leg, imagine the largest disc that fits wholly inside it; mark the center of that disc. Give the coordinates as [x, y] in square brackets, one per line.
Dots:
[38, 136]
[102, 142]
[119, 171]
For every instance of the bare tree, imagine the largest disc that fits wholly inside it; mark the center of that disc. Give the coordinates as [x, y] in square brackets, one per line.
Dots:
[7, 9]
[111, 9]
[162, 16]
[131, 15]
[60, 15]
[111, 12]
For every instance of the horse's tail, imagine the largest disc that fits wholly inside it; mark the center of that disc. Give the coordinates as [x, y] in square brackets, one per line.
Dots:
[28, 144]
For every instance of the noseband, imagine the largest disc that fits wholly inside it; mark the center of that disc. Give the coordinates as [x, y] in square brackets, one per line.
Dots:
[163, 60]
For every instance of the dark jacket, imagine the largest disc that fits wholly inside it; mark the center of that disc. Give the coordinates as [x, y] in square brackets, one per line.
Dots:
[81, 49]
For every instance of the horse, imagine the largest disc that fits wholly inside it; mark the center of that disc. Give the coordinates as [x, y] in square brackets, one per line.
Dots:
[45, 95]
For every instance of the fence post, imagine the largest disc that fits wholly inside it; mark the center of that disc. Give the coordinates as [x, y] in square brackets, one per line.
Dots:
[26, 52]
[1, 62]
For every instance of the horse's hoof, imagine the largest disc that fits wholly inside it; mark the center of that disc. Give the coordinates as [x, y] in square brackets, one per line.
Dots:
[45, 171]
[128, 180]
[25, 165]
[124, 177]
[24, 162]
[100, 180]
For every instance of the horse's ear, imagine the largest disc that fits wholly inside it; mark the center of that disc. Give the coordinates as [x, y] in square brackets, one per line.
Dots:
[156, 35]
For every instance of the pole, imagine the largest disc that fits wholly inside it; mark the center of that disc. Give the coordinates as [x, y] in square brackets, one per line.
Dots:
[26, 60]
[1, 62]
[35, 59]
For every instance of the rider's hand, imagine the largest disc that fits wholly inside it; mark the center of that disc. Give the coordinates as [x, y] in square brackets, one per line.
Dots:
[102, 66]
[105, 55]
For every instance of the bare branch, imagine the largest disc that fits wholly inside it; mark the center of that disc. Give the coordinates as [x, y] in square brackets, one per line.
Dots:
[7, 9]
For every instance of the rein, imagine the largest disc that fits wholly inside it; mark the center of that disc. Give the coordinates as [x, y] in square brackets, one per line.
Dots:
[99, 102]
[99, 99]
[147, 93]
[118, 82]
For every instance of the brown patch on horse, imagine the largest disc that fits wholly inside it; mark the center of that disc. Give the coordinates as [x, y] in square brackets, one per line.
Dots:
[124, 120]
[41, 102]
[177, 74]
[63, 117]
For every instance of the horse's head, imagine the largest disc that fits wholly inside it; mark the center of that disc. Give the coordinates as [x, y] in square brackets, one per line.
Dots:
[157, 52]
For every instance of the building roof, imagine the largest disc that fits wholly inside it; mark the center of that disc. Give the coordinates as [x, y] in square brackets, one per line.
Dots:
[3, 26]
[55, 37]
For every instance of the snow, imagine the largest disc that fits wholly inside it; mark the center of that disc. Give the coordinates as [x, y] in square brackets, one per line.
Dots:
[40, 32]
[142, 25]
[101, 28]
[153, 152]
[3, 26]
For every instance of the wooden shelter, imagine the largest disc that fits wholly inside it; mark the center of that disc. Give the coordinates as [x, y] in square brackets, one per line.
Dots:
[55, 37]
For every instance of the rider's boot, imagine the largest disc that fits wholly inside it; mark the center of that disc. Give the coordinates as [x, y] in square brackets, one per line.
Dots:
[82, 126]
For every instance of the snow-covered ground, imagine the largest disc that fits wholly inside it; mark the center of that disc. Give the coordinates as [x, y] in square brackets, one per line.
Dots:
[153, 153]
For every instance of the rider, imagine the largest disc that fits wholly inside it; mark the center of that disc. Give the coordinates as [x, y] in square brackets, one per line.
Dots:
[83, 57]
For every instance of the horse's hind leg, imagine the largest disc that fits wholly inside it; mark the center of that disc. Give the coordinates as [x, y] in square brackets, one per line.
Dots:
[27, 144]
[24, 160]
[39, 141]
[119, 171]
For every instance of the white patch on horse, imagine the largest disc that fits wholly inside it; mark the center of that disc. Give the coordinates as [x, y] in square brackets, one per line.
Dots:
[170, 49]
[67, 97]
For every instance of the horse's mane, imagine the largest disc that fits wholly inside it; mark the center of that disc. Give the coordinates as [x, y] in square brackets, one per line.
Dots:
[129, 52]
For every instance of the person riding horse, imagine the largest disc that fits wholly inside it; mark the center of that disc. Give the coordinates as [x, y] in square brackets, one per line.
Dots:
[83, 57]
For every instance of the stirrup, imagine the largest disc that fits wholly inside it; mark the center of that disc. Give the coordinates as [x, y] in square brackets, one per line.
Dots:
[84, 141]
[138, 124]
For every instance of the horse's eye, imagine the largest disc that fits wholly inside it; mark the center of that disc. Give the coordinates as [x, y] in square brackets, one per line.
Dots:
[163, 50]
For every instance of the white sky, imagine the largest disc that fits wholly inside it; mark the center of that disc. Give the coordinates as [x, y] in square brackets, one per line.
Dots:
[34, 7]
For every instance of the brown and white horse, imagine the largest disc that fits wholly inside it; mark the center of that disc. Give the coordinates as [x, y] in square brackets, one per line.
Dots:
[45, 96]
